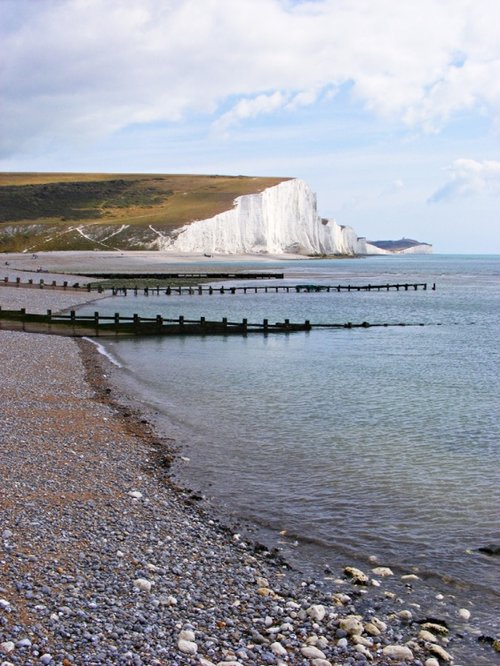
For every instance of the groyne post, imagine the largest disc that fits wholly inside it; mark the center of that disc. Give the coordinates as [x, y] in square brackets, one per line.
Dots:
[265, 324]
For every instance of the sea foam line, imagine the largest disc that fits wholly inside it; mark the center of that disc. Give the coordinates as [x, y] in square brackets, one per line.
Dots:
[102, 350]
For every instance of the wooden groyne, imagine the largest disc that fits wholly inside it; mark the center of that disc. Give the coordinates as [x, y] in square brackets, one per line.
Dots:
[181, 276]
[116, 325]
[202, 289]
[268, 289]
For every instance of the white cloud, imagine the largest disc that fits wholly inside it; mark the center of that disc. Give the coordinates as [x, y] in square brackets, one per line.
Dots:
[469, 177]
[86, 68]
[250, 108]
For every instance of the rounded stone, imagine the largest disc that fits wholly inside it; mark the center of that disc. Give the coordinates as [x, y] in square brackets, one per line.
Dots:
[357, 575]
[312, 652]
[464, 614]
[352, 625]
[143, 584]
[188, 647]
[397, 652]
[278, 649]
[316, 612]
[384, 572]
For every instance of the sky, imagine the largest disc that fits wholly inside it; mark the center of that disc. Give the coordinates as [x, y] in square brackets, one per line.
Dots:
[388, 109]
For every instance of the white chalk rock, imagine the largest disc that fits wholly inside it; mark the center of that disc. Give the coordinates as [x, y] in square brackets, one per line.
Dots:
[464, 614]
[397, 652]
[352, 625]
[188, 647]
[143, 584]
[405, 615]
[425, 635]
[135, 494]
[364, 651]
[312, 652]
[384, 572]
[340, 599]
[372, 629]
[206, 662]
[321, 662]
[357, 575]
[187, 635]
[317, 612]
[280, 219]
[440, 652]
[408, 578]
[278, 649]
[436, 628]
[431, 662]
[7, 647]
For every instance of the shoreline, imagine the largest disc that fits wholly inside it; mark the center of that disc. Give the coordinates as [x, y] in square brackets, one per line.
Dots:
[206, 594]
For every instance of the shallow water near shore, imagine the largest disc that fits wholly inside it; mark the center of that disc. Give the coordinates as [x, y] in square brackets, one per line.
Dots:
[366, 442]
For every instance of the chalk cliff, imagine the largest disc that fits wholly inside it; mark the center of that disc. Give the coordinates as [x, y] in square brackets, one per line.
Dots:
[279, 220]
[403, 246]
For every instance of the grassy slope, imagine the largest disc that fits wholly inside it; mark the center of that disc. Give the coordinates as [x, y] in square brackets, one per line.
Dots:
[41, 210]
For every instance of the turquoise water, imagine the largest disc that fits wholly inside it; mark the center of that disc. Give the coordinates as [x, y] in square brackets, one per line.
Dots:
[380, 441]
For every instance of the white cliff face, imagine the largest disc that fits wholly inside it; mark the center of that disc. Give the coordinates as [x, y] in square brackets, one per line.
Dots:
[279, 220]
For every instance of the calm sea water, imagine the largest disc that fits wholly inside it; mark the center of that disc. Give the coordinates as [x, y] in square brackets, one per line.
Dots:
[380, 441]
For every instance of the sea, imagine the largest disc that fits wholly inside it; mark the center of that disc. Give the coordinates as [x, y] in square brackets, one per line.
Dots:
[345, 444]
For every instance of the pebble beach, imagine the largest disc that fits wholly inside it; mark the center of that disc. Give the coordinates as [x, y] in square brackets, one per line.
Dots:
[104, 560]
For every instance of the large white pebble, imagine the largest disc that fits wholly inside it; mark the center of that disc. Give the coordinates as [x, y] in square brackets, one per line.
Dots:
[356, 574]
[352, 625]
[383, 571]
[316, 612]
[321, 662]
[364, 651]
[397, 652]
[431, 662]
[187, 635]
[135, 494]
[188, 647]
[440, 652]
[464, 614]
[143, 584]
[312, 652]
[278, 649]
[7, 647]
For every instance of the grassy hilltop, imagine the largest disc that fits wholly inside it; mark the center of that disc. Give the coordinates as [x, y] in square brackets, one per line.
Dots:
[67, 211]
